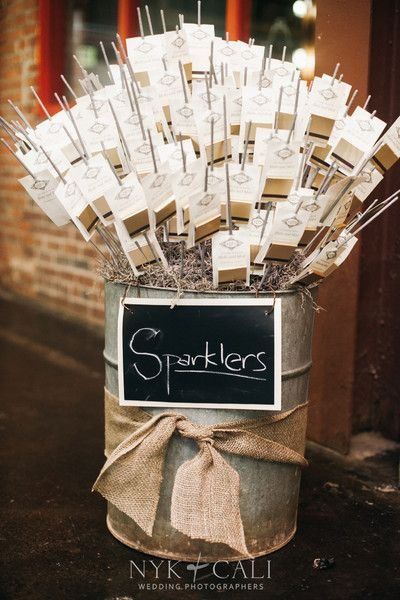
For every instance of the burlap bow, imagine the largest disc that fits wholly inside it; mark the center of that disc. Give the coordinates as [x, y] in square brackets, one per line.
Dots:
[205, 497]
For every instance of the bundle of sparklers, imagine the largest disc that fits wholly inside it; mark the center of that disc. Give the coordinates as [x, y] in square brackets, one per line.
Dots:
[195, 137]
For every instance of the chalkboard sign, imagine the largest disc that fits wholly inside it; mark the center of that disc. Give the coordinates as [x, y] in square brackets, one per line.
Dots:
[200, 353]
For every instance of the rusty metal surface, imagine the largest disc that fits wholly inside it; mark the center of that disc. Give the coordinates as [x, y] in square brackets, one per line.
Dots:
[269, 492]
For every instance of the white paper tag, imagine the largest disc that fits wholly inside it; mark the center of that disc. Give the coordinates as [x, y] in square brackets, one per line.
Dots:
[80, 212]
[230, 257]
[41, 190]
[172, 154]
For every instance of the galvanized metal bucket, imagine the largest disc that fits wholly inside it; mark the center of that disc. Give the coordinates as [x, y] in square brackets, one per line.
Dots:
[269, 491]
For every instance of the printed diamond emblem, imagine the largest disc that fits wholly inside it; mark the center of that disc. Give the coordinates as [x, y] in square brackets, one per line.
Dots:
[167, 80]
[247, 55]
[133, 120]
[199, 34]
[289, 90]
[238, 101]
[39, 184]
[284, 153]
[281, 71]
[331, 254]
[206, 200]
[144, 148]
[120, 98]
[227, 51]
[365, 125]
[312, 207]
[257, 222]
[54, 128]
[185, 112]
[176, 155]
[260, 100]
[265, 81]
[92, 173]
[144, 99]
[231, 243]
[213, 97]
[367, 176]
[328, 94]
[187, 179]
[292, 222]
[98, 128]
[178, 42]
[213, 180]
[158, 181]
[40, 158]
[145, 47]
[241, 178]
[340, 124]
[70, 189]
[213, 116]
[125, 192]
[96, 105]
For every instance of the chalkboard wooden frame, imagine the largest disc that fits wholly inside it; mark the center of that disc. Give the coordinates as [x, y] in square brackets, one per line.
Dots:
[257, 319]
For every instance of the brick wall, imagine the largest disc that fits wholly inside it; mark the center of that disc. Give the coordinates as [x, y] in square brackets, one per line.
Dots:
[37, 259]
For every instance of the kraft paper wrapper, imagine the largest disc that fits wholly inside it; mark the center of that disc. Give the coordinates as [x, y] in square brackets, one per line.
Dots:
[143, 78]
[280, 252]
[384, 158]
[276, 189]
[254, 250]
[102, 206]
[318, 156]
[235, 129]
[321, 129]
[88, 218]
[205, 230]
[219, 152]
[240, 210]
[347, 154]
[165, 212]
[187, 67]
[137, 222]
[144, 256]
[285, 121]
[227, 275]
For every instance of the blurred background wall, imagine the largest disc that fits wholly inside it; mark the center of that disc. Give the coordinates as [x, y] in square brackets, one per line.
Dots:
[355, 382]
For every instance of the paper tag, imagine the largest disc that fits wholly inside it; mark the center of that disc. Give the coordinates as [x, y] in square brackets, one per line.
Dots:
[183, 119]
[128, 203]
[81, 213]
[282, 71]
[141, 250]
[168, 85]
[230, 257]
[205, 216]
[95, 179]
[37, 161]
[257, 232]
[326, 100]
[358, 137]
[145, 53]
[158, 191]
[244, 186]
[41, 190]
[172, 154]
[177, 47]
[199, 38]
[371, 178]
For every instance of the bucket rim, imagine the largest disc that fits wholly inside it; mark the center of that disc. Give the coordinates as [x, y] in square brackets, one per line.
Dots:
[214, 292]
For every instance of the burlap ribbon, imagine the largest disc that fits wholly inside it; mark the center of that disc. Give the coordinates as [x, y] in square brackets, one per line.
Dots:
[205, 497]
